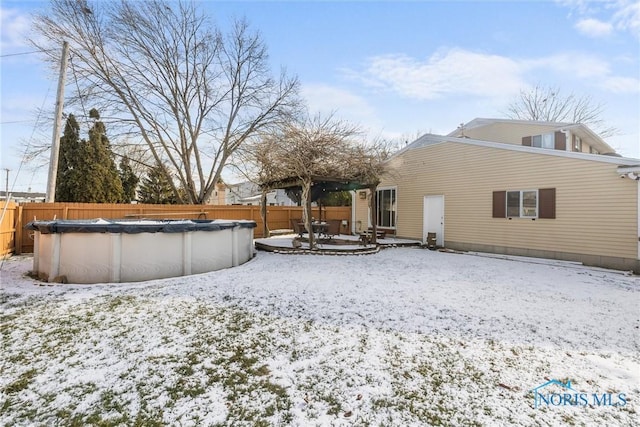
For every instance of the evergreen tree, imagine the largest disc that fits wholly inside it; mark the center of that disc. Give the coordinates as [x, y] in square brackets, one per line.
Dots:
[129, 180]
[155, 187]
[69, 176]
[104, 184]
[88, 172]
[337, 198]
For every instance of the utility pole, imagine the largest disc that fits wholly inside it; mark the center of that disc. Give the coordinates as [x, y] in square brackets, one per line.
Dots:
[55, 144]
[6, 185]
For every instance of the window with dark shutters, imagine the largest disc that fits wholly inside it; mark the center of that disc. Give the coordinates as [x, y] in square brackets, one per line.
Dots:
[526, 141]
[547, 203]
[499, 204]
[542, 201]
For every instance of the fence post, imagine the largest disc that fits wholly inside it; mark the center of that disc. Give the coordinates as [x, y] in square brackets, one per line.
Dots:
[17, 238]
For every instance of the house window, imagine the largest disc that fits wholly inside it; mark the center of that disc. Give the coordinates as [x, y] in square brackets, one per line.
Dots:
[545, 140]
[386, 215]
[513, 203]
[522, 204]
[525, 204]
[577, 144]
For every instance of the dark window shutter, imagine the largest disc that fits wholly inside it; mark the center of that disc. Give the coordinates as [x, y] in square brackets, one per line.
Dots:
[560, 141]
[547, 203]
[499, 204]
[526, 141]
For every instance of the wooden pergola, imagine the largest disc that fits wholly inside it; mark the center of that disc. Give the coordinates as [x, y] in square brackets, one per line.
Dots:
[321, 185]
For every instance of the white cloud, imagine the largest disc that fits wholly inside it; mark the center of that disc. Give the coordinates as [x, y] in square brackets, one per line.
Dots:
[327, 99]
[594, 28]
[627, 16]
[495, 78]
[14, 28]
[597, 19]
[448, 72]
[582, 6]
[623, 85]
[576, 64]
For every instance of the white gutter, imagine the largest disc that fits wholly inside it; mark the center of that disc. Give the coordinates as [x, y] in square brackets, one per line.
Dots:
[625, 170]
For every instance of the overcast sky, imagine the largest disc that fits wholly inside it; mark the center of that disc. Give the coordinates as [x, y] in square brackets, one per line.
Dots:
[395, 68]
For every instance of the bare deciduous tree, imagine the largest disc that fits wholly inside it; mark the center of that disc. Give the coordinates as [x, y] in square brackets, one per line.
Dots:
[548, 104]
[317, 147]
[174, 81]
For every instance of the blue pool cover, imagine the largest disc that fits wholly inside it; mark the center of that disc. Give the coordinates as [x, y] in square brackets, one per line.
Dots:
[134, 226]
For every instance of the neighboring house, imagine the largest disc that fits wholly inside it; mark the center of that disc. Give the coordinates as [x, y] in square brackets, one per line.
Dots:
[248, 193]
[515, 187]
[23, 197]
[218, 195]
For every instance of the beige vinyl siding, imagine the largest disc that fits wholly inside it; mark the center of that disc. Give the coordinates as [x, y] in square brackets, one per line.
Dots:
[361, 211]
[596, 211]
[508, 133]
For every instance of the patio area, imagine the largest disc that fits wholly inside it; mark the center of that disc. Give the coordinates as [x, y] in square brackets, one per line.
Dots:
[341, 244]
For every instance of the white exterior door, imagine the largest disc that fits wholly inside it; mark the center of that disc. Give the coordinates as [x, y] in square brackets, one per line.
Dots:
[433, 214]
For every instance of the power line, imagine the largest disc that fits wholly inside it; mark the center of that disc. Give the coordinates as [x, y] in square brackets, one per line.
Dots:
[75, 77]
[15, 121]
[26, 149]
[25, 53]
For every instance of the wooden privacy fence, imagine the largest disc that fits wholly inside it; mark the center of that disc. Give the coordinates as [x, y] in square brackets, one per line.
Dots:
[9, 227]
[16, 239]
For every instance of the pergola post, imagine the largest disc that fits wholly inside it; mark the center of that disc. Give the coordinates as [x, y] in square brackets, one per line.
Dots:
[374, 213]
[306, 211]
[263, 214]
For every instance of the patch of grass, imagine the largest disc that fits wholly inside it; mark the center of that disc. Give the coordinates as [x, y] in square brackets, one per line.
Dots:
[335, 408]
[22, 382]
[308, 325]
[425, 382]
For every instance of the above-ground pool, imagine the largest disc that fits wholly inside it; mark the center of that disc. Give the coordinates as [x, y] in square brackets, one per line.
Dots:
[100, 251]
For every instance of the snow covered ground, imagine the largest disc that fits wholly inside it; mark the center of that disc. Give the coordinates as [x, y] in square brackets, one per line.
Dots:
[403, 337]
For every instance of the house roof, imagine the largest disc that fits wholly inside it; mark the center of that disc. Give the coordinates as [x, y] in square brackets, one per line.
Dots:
[583, 131]
[430, 139]
[25, 195]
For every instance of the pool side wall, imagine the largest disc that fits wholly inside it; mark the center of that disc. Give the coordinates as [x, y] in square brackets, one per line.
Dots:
[121, 257]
